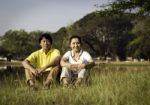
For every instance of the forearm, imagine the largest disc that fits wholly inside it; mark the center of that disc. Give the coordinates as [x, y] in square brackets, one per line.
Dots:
[28, 66]
[89, 65]
[64, 64]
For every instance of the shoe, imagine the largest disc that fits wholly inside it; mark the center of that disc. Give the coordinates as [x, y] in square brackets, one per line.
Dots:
[78, 82]
[33, 87]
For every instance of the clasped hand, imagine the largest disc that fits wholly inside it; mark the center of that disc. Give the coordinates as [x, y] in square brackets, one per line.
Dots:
[76, 66]
[38, 72]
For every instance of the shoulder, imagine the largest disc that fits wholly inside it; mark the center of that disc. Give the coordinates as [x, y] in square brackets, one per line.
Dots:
[33, 55]
[67, 54]
[55, 50]
[36, 52]
[85, 53]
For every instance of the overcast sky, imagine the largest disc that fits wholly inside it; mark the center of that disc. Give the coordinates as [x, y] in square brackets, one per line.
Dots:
[44, 15]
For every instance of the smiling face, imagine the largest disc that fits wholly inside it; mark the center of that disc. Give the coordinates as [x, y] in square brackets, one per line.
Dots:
[75, 45]
[45, 44]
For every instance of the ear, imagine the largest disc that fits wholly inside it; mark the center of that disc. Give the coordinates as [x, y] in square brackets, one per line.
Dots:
[70, 45]
[40, 44]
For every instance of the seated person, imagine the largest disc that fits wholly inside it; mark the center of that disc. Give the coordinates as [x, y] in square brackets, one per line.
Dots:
[75, 63]
[43, 63]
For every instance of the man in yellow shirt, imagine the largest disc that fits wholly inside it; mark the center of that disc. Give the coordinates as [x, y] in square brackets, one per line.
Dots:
[44, 63]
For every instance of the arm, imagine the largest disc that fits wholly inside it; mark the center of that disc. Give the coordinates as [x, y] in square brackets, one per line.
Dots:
[64, 62]
[88, 61]
[26, 64]
[54, 62]
[88, 65]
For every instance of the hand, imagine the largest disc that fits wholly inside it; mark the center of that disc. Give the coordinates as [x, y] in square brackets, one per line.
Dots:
[40, 72]
[73, 67]
[76, 66]
[81, 66]
[35, 72]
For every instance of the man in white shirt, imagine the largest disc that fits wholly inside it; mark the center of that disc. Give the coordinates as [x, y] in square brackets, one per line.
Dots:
[76, 63]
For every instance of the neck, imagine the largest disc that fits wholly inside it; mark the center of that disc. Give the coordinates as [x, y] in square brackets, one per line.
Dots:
[76, 52]
[46, 50]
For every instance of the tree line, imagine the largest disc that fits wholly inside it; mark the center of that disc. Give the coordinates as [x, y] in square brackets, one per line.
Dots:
[118, 31]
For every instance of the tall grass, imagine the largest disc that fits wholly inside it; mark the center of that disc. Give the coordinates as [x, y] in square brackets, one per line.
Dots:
[110, 86]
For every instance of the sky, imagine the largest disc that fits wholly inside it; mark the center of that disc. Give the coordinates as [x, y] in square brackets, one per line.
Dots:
[44, 15]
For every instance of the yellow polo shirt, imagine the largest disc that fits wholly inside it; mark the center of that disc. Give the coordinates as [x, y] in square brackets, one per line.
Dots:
[39, 59]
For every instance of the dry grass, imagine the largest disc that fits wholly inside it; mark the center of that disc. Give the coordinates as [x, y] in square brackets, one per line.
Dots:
[111, 85]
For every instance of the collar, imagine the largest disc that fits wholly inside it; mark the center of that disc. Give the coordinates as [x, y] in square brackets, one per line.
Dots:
[72, 53]
[41, 50]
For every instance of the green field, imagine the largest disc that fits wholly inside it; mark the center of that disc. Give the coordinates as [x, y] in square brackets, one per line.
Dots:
[111, 85]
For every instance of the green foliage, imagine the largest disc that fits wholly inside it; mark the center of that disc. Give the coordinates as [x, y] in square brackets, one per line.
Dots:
[61, 40]
[140, 45]
[139, 7]
[104, 35]
[13, 41]
[19, 43]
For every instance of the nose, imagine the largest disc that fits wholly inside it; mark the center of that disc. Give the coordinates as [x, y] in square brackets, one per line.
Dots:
[76, 45]
[46, 42]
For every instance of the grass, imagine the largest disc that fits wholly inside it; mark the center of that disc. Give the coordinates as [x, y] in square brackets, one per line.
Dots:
[111, 85]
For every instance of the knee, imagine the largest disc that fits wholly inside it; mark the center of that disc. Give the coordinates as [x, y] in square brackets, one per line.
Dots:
[58, 67]
[65, 69]
[65, 81]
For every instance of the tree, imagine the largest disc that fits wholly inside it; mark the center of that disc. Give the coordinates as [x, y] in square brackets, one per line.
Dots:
[61, 40]
[140, 7]
[13, 42]
[19, 44]
[139, 46]
[104, 35]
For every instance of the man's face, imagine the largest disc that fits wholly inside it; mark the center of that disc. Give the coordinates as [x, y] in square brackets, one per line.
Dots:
[45, 44]
[75, 44]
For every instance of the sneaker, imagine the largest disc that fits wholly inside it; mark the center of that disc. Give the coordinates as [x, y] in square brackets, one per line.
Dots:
[78, 82]
[33, 87]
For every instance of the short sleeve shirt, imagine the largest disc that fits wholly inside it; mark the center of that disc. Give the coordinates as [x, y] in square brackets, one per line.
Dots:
[85, 57]
[39, 59]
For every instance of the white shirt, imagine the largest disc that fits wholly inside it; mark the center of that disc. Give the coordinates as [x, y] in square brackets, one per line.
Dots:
[84, 57]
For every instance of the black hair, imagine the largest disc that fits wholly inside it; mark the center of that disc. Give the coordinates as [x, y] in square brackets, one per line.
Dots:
[78, 37]
[47, 36]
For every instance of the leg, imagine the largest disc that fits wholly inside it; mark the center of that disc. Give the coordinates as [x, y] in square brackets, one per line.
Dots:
[82, 77]
[65, 76]
[52, 76]
[65, 81]
[30, 79]
[88, 79]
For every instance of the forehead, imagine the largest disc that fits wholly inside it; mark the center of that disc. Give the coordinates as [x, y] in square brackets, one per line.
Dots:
[75, 40]
[44, 38]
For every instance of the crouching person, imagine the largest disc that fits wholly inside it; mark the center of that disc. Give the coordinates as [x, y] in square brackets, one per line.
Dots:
[42, 64]
[76, 64]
